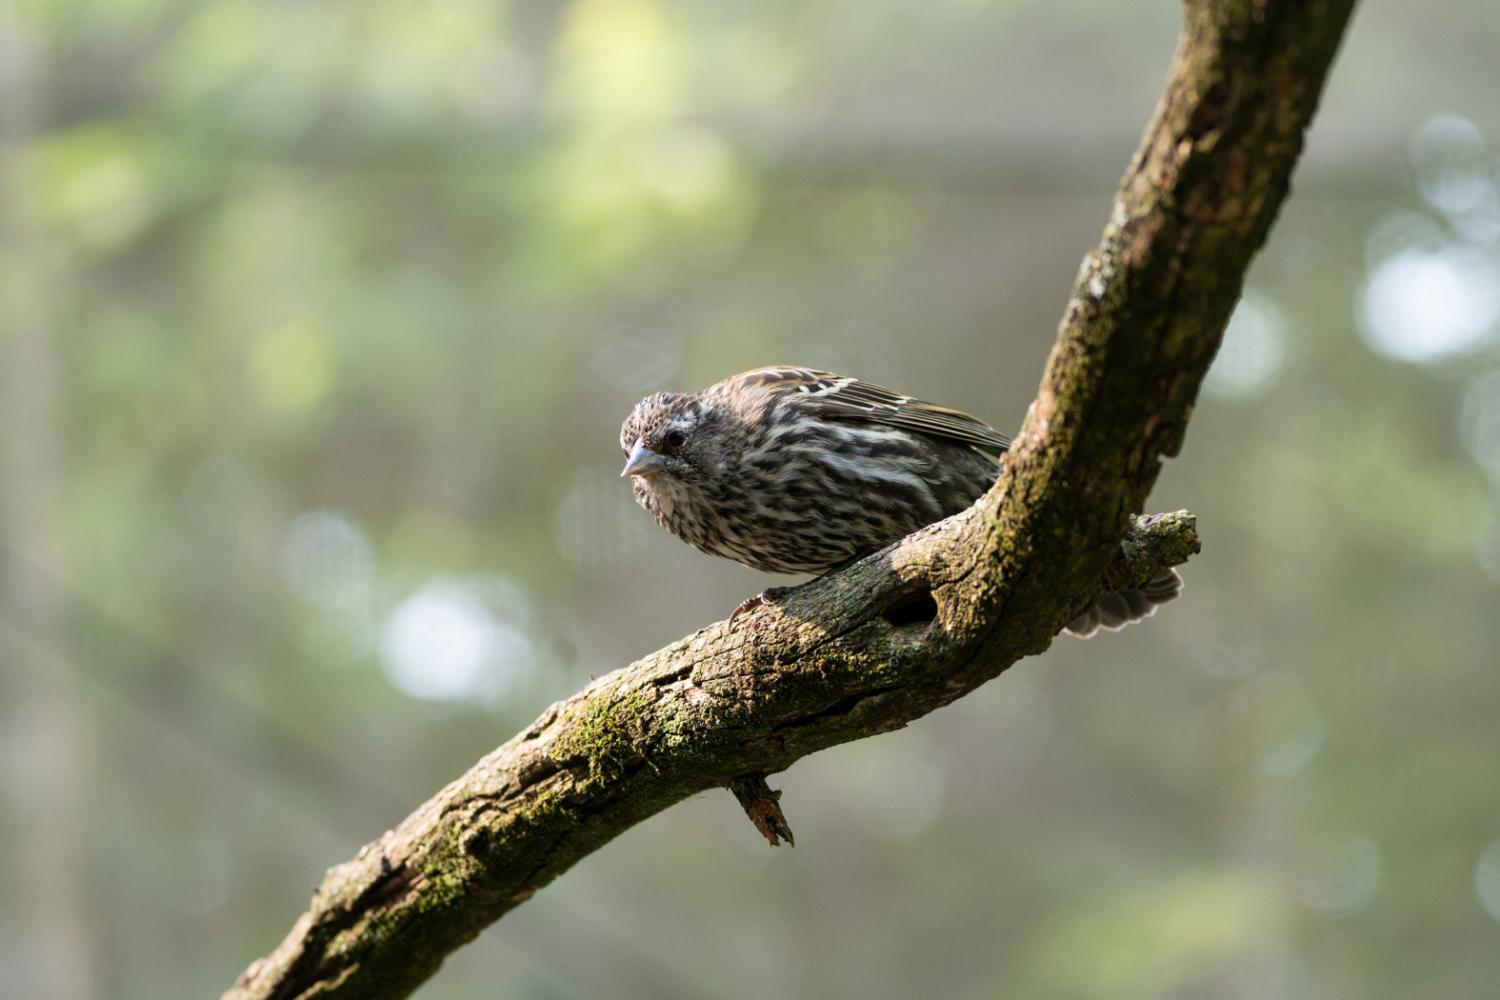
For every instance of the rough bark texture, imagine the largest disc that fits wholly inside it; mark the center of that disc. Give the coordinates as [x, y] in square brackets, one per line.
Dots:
[910, 629]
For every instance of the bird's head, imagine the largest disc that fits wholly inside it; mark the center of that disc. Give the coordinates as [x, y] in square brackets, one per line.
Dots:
[668, 441]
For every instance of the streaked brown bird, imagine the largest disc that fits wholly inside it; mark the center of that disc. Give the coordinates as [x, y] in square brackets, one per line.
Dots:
[793, 470]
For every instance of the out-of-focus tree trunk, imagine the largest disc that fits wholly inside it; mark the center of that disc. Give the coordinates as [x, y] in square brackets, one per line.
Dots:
[47, 834]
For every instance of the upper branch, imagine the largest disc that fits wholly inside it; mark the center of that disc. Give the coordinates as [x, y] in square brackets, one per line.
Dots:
[873, 647]
[1151, 301]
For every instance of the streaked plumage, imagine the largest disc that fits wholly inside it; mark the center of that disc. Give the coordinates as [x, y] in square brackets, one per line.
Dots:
[793, 470]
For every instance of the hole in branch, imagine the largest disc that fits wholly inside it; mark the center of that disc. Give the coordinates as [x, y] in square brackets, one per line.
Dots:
[912, 609]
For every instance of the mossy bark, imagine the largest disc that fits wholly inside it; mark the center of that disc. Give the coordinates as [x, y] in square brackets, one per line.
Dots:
[906, 631]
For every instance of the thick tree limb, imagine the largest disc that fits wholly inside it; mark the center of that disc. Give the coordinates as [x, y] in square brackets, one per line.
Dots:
[910, 629]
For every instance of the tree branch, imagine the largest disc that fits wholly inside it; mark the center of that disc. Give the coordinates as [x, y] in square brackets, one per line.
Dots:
[871, 648]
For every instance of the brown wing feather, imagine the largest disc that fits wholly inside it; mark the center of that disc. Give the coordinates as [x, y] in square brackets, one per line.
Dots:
[840, 397]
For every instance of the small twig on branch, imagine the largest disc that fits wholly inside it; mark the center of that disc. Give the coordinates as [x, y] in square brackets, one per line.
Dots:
[762, 804]
[903, 632]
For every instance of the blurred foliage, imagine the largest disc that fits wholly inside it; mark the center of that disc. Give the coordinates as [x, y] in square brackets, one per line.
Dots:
[328, 315]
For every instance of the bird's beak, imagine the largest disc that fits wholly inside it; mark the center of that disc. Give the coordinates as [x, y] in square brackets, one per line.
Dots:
[642, 461]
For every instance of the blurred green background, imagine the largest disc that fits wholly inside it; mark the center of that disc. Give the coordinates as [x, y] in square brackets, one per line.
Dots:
[317, 325]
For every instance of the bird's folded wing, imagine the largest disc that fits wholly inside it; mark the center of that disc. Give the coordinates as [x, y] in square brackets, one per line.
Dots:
[840, 397]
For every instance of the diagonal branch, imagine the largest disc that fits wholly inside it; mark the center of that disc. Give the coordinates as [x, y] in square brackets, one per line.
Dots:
[871, 648]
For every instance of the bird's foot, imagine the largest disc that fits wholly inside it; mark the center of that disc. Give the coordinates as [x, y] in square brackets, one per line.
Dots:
[768, 596]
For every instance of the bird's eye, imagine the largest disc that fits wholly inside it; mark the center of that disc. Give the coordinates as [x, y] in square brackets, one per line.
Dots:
[674, 440]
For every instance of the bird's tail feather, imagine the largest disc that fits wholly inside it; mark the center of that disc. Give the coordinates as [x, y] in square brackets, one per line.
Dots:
[1115, 611]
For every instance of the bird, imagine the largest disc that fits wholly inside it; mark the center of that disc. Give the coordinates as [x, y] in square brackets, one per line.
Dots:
[794, 470]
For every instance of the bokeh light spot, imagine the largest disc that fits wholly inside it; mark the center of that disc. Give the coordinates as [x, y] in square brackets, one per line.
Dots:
[1401, 231]
[108, 202]
[1424, 306]
[328, 561]
[1338, 875]
[459, 639]
[1252, 352]
[621, 61]
[1453, 174]
[291, 368]
[691, 168]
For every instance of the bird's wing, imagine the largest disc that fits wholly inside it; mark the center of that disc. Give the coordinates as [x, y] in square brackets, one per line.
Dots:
[839, 397]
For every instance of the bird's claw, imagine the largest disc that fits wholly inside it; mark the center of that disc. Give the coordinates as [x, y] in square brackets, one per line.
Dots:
[767, 596]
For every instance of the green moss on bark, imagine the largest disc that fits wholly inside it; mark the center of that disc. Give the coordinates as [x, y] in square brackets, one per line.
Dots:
[605, 731]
